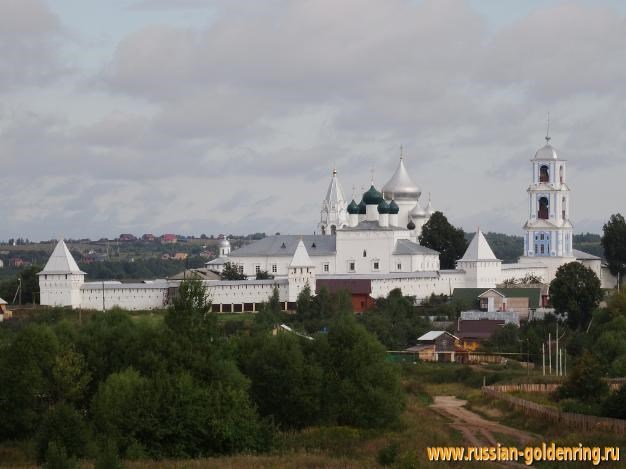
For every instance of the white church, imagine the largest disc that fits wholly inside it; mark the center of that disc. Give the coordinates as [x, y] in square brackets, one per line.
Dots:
[369, 247]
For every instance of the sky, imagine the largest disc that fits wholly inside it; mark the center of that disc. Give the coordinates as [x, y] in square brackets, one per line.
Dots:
[227, 116]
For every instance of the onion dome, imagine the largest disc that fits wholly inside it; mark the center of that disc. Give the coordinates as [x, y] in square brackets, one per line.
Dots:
[417, 211]
[383, 207]
[353, 208]
[401, 185]
[362, 208]
[410, 226]
[429, 207]
[372, 196]
[393, 208]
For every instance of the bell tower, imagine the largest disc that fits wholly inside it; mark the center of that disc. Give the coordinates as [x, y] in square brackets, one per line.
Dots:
[548, 230]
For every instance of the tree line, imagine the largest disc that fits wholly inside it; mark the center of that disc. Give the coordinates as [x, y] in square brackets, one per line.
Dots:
[115, 387]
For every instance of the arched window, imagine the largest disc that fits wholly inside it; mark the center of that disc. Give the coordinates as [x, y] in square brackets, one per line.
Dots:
[364, 253]
[323, 230]
[561, 173]
[543, 212]
[563, 207]
[333, 229]
[544, 174]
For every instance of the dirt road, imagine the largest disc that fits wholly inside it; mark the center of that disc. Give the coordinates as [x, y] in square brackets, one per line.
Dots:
[476, 430]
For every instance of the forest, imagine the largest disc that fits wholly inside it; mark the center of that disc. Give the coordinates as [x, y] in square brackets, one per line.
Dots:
[116, 386]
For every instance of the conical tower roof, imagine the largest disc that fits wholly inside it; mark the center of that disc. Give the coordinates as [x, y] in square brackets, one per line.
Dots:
[334, 194]
[61, 261]
[479, 249]
[301, 257]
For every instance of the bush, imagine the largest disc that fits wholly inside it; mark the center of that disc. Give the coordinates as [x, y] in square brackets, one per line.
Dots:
[63, 426]
[56, 457]
[585, 382]
[388, 455]
[577, 407]
[615, 405]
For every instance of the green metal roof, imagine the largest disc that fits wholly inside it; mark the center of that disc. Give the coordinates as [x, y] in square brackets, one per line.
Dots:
[470, 295]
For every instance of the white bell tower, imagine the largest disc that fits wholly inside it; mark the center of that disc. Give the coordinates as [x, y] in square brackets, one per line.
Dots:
[548, 230]
[334, 214]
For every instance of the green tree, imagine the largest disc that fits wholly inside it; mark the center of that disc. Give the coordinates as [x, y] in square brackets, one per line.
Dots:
[440, 235]
[231, 272]
[69, 376]
[360, 387]
[614, 244]
[505, 339]
[394, 322]
[615, 404]
[26, 377]
[576, 291]
[263, 275]
[118, 407]
[585, 381]
[270, 313]
[57, 458]
[285, 384]
[190, 314]
[63, 425]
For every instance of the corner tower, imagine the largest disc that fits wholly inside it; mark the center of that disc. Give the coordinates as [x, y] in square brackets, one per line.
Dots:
[548, 230]
[61, 279]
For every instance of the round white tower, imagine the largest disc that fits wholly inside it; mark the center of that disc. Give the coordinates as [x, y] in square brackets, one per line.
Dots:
[224, 248]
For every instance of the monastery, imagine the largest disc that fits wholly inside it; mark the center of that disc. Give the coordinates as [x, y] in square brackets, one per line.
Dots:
[369, 247]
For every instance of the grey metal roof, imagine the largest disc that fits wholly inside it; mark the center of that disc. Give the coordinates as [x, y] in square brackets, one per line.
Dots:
[217, 261]
[316, 245]
[277, 281]
[584, 255]
[408, 247]
[371, 226]
[391, 275]
[199, 273]
[157, 284]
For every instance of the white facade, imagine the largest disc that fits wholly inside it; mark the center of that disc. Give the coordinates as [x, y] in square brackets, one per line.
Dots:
[374, 240]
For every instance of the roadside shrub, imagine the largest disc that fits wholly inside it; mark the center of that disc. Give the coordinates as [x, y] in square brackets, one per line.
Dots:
[577, 407]
[388, 455]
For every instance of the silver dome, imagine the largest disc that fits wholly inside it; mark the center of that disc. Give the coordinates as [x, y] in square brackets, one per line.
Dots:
[417, 211]
[224, 243]
[546, 152]
[401, 186]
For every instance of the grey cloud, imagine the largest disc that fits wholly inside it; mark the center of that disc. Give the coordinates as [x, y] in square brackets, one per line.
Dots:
[29, 37]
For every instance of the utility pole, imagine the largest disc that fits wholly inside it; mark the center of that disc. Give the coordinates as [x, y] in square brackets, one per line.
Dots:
[550, 351]
[543, 358]
[103, 306]
[528, 357]
[557, 349]
[20, 280]
[565, 362]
